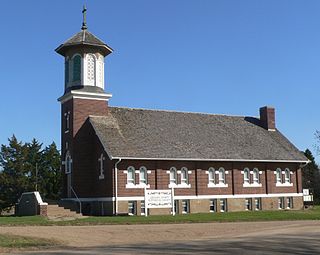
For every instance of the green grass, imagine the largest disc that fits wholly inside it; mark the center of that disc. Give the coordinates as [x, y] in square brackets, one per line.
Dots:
[13, 241]
[311, 214]
[22, 221]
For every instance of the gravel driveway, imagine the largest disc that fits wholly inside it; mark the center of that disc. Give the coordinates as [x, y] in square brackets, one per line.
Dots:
[202, 238]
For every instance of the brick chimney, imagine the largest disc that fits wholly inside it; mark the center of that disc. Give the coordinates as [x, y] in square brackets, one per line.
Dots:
[267, 118]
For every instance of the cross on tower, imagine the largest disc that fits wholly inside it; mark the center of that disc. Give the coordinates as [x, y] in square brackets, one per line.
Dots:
[84, 13]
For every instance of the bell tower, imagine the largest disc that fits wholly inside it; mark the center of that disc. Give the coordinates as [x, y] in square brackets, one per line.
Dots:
[84, 91]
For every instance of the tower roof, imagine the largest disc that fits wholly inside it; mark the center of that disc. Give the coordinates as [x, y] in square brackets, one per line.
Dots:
[84, 38]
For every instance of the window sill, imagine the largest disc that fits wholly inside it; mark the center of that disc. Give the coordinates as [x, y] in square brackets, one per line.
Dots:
[284, 184]
[252, 185]
[137, 186]
[179, 186]
[220, 185]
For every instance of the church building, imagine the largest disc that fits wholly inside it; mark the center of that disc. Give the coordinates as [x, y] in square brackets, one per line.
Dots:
[212, 163]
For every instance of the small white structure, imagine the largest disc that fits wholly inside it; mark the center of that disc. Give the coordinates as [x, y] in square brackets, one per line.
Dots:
[30, 203]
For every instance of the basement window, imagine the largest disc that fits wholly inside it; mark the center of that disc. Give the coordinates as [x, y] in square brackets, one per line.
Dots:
[257, 203]
[281, 203]
[289, 202]
[185, 206]
[248, 204]
[223, 205]
[213, 203]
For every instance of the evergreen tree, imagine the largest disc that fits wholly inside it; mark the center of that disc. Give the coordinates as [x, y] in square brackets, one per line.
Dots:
[33, 160]
[311, 176]
[26, 167]
[14, 178]
[49, 172]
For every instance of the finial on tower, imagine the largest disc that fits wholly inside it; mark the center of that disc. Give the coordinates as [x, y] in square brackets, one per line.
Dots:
[84, 22]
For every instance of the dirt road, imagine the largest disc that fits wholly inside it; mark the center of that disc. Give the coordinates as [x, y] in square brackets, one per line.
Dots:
[207, 234]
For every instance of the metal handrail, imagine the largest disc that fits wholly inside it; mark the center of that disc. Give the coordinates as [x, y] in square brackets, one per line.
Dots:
[80, 208]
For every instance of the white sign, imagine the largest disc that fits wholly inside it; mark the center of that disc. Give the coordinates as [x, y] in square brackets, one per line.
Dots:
[305, 192]
[158, 198]
[308, 198]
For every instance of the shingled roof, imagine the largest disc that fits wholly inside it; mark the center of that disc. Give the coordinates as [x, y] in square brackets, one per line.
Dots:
[84, 37]
[154, 134]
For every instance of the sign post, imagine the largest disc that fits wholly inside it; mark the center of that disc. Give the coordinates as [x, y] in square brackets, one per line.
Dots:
[145, 203]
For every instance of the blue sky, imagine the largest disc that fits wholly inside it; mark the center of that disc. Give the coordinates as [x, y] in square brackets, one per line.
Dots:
[227, 56]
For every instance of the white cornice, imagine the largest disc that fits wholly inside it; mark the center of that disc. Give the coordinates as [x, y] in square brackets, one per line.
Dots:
[84, 95]
[141, 198]
[213, 159]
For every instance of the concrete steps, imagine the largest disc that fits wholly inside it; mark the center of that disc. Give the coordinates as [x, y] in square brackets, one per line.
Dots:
[55, 212]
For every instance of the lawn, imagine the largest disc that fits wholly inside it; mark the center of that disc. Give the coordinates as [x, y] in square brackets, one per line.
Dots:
[311, 214]
[13, 241]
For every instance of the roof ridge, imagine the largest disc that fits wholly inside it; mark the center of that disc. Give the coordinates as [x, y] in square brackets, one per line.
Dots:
[175, 111]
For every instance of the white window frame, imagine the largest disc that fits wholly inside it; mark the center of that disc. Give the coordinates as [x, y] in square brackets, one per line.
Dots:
[213, 205]
[248, 204]
[173, 176]
[257, 203]
[289, 203]
[281, 203]
[68, 163]
[93, 71]
[223, 204]
[222, 175]
[256, 176]
[184, 176]
[142, 207]
[246, 176]
[143, 177]
[287, 177]
[132, 208]
[211, 176]
[278, 176]
[279, 180]
[131, 181]
[67, 121]
[185, 205]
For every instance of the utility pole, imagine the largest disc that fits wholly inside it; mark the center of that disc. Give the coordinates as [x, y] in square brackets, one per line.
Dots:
[36, 176]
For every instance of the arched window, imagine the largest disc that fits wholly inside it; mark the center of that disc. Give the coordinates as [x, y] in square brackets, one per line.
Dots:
[173, 175]
[278, 175]
[256, 178]
[246, 175]
[184, 175]
[101, 163]
[143, 175]
[68, 163]
[222, 176]
[66, 71]
[211, 175]
[287, 175]
[76, 71]
[131, 175]
[91, 65]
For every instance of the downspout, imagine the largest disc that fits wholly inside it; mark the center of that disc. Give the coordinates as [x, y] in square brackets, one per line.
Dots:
[303, 165]
[116, 183]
